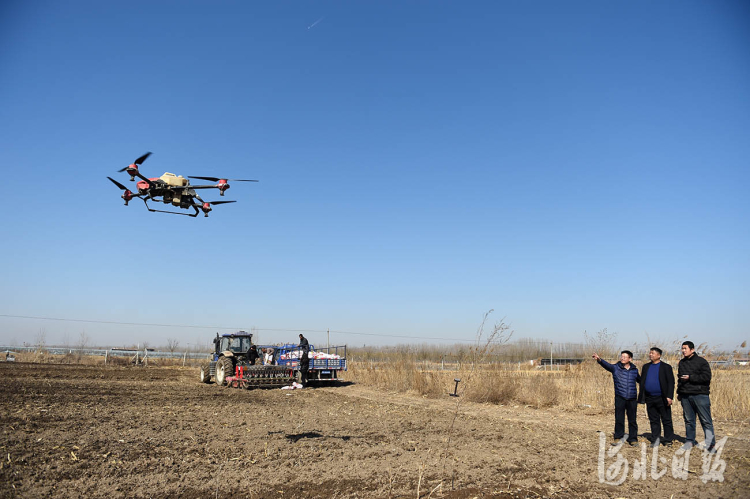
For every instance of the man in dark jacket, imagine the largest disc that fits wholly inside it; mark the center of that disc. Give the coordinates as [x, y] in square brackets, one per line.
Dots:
[657, 392]
[304, 359]
[693, 387]
[626, 378]
[253, 355]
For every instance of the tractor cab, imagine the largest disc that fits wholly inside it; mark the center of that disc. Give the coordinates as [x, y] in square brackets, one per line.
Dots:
[236, 343]
[230, 350]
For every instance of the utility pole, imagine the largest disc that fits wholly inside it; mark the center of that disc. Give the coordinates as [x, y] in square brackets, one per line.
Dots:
[329, 339]
[550, 355]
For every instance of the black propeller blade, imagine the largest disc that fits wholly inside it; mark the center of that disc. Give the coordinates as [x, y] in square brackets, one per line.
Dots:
[215, 179]
[138, 161]
[221, 202]
[118, 184]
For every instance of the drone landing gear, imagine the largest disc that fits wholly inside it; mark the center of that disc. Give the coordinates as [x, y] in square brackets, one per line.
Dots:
[173, 212]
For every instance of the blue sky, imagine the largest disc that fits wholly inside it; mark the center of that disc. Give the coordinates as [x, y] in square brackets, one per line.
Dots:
[571, 165]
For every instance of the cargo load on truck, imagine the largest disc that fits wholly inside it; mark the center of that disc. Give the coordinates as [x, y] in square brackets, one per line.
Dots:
[326, 363]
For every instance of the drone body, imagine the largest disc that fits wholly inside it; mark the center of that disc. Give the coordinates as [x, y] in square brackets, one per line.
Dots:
[171, 188]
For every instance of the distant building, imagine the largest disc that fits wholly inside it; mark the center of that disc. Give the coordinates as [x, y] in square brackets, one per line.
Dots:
[561, 361]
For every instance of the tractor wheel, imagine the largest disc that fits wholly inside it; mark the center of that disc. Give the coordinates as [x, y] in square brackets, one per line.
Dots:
[224, 368]
[205, 373]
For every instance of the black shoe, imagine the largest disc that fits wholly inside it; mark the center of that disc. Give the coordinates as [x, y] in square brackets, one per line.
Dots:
[667, 443]
[633, 443]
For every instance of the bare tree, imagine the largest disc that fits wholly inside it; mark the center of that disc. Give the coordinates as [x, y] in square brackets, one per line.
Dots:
[603, 343]
[172, 344]
[40, 341]
[83, 341]
[484, 346]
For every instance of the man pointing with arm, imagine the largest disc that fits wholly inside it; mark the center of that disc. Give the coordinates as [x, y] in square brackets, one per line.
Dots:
[626, 377]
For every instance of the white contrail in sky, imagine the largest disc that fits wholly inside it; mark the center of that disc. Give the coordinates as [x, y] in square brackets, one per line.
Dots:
[316, 22]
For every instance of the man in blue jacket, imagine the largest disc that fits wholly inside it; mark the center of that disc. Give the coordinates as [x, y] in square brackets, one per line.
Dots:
[657, 392]
[626, 378]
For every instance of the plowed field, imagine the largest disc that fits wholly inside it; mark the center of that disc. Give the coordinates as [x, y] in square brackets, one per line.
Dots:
[87, 431]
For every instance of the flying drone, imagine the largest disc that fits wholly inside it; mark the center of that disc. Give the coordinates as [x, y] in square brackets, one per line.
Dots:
[171, 188]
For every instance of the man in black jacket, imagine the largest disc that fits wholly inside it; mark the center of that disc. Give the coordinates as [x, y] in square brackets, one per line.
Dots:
[657, 392]
[693, 387]
[253, 355]
[304, 359]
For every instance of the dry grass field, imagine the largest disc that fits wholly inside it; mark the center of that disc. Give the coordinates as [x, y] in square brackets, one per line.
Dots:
[572, 387]
[88, 430]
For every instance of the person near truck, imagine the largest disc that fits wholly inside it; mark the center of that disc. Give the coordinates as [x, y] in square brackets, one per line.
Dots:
[217, 342]
[626, 378]
[693, 387]
[657, 392]
[253, 355]
[304, 359]
[268, 357]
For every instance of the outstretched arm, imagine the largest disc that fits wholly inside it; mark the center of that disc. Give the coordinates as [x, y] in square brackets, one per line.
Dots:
[606, 365]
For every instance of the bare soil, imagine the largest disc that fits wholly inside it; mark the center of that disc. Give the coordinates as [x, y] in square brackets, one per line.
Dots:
[89, 431]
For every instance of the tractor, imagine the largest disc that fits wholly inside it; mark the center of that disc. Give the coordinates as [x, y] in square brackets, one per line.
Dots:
[230, 351]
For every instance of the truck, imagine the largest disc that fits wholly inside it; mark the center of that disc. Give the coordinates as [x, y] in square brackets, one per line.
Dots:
[326, 363]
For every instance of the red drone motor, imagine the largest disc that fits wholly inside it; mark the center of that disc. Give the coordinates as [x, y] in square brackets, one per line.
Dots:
[132, 168]
[223, 186]
[127, 196]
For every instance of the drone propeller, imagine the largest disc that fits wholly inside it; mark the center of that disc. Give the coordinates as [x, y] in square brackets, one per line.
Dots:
[206, 206]
[222, 183]
[220, 202]
[138, 161]
[216, 179]
[118, 184]
[127, 195]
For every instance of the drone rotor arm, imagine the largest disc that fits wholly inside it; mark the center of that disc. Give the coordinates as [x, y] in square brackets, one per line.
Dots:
[146, 179]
